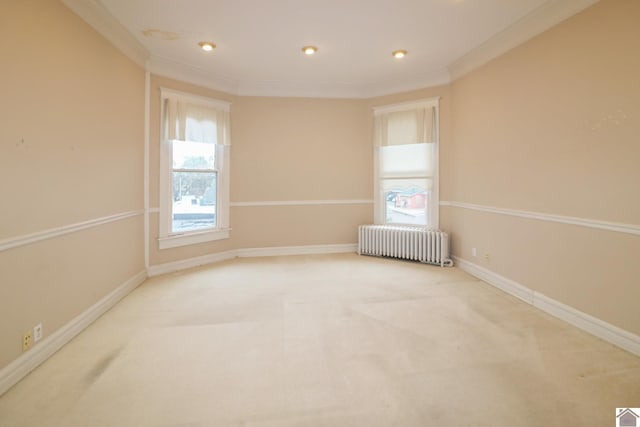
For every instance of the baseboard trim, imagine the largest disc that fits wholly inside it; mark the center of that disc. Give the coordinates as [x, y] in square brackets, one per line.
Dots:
[170, 267]
[27, 362]
[509, 286]
[297, 250]
[599, 328]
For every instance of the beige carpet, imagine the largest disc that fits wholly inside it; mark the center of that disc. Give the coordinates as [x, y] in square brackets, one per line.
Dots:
[336, 340]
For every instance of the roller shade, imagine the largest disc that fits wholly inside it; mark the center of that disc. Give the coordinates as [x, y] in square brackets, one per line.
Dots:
[406, 160]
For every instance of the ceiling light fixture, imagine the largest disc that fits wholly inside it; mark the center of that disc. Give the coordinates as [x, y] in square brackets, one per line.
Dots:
[398, 54]
[309, 50]
[207, 46]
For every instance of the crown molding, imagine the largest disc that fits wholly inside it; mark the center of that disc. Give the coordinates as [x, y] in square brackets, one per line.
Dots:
[190, 74]
[390, 87]
[98, 17]
[342, 90]
[299, 89]
[536, 22]
[541, 19]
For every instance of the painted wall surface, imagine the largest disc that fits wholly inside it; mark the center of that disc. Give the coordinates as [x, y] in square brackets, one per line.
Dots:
[71, 150]
[553, 126]
[282, 150]
[299, 149]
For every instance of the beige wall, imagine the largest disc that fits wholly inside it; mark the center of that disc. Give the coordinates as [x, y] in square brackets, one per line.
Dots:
[553, 126]
[71, 150]
[289, 149]
[282, 149]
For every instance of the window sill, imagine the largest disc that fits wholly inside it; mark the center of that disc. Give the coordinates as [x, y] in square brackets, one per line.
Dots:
[192, 238]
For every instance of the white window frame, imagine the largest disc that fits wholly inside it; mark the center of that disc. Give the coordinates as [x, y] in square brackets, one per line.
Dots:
[433, 212]
[167, 238]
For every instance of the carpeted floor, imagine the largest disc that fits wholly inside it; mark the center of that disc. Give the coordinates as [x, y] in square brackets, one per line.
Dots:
[335, 340]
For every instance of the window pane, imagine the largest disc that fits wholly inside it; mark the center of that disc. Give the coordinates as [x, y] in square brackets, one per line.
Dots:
[193, 155]
[194, 201]
[406, 160]
[406, 200]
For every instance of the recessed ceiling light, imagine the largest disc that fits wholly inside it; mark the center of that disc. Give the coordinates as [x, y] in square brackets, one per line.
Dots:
[207, 46]
[309, 50]
[399, 54]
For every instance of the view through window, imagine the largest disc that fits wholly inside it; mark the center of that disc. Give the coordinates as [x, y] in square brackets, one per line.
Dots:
[194, 186]
[405, 183]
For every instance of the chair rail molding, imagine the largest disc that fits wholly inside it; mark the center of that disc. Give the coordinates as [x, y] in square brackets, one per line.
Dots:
[26, 239]
[303, 202]
[618, 227]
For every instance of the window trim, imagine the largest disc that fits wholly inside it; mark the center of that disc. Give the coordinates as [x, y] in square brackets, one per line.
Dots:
[379, 201]
[167, 238]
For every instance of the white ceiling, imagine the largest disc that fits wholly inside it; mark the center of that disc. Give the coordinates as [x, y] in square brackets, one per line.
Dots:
[259, 41]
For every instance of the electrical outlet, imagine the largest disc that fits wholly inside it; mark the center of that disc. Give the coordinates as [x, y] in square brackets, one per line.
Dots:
[27, 340]
[37, 332]
[474, 252]
[487, 257]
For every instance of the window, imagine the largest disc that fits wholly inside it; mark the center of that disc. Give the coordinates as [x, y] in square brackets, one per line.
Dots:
[194, 170]
[406, 163]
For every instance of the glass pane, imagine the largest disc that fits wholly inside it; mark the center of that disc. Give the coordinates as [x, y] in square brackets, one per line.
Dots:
[193, 155]
[406, 200]
[406, 160]
[194, 201]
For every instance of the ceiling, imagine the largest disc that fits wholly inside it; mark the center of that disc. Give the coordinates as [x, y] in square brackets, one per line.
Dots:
[259, 42]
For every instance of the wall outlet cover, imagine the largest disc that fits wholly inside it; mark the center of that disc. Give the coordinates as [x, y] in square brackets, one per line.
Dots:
[27, 340]
[37, 332]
